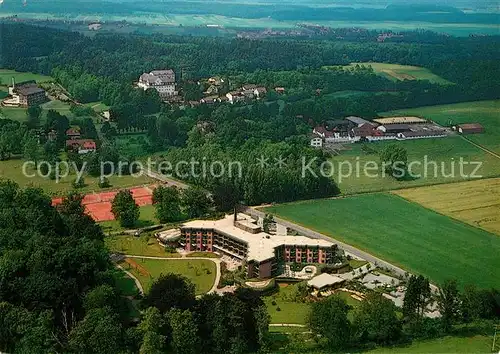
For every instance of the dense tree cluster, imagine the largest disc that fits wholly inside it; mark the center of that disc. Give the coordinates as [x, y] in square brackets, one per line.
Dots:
[377, 321]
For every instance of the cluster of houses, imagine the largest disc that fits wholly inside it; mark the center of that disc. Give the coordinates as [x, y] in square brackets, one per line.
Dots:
[25, 94]
[246, 93]
[76, 143]
[355, 129]
[164, 81]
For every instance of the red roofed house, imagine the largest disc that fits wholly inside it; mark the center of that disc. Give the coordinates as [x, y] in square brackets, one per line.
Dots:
[322, 132]
[82, 146]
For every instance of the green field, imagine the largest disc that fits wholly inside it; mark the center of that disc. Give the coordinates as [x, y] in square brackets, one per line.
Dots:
[446, 152]
[7, 75]
[19, 113]
[406, 234]
[200, 272]
[397, 72]
[486, 113]
[146, 218]
[12, 169]
[137, 246]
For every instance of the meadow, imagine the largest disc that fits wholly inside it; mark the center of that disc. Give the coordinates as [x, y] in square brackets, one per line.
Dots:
[13, 170]
[7, 75]
[445, 152]
[397, 72]
[200, 272]
[482, 208]
[404, 233]
[146, 218]
[137, 246]
[486, 113]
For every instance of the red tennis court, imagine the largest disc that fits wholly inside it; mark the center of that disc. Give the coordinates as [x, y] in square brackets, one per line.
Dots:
[98, 205]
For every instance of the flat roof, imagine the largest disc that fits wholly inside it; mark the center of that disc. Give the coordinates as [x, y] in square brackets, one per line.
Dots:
[323, 280]
[261, 245]
[399, 120]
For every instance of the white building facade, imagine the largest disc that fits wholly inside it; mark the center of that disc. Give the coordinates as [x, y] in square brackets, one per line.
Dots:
[162, 81]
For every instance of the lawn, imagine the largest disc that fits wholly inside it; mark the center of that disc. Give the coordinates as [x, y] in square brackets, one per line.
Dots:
[356, 263]
[289, 311]
[137, 246]
[474, 344]
[200, 272]
[125, 283]
[12, 169]
[486, 113]
[446, 152]
[7, 75]
[97, 106]
[146, 218]
[19, 113]
[397, 72]
[406, 234]
[293, 312]
[482, 208]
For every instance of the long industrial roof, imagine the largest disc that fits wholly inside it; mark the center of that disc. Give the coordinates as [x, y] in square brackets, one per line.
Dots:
[399, 120]
[261, 245]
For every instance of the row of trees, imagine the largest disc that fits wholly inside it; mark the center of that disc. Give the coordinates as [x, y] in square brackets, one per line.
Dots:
[170, 204]
[377, 321]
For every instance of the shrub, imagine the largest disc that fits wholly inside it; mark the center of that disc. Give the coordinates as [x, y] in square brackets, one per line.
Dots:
[79, 183]
[104, 182]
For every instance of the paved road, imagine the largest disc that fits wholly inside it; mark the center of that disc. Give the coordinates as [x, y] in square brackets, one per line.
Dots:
[169, 181]
[217, 262]
[137, 282]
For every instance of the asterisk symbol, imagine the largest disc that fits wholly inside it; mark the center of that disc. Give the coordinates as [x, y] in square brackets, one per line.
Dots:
[262, 161]
[280, 162]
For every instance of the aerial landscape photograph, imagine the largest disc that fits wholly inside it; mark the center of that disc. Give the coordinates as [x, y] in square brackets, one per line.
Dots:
[249, 176]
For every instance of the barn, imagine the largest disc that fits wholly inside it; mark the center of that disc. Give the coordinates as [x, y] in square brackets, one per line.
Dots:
[472, 128]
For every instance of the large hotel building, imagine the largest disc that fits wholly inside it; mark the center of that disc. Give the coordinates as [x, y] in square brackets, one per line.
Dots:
[240, 237]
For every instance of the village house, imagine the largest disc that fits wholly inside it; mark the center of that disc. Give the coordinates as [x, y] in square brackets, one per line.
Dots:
[234, 97]
[317, 142]
[82, 146]
[250, 87]
[260, 92]
[162, 81]
[95, 26]
[279, 90]
[73, 133]
[210, 99]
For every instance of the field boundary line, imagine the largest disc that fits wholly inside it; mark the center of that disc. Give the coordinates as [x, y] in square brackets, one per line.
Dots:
[481, 147]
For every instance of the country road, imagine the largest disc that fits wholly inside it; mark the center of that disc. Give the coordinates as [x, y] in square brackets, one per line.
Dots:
[169, 181]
